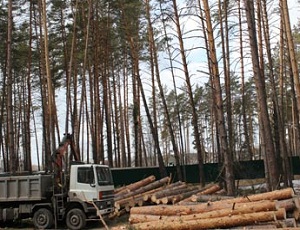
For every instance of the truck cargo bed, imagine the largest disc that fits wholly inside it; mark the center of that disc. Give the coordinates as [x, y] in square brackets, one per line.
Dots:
[25, 188]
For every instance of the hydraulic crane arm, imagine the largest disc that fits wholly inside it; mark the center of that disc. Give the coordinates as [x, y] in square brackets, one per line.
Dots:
[60, 154]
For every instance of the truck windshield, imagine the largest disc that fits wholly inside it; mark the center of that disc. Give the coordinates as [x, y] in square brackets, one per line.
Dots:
[104, 176]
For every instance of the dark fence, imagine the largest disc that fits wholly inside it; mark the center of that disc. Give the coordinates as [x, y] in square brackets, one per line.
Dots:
[243, 170]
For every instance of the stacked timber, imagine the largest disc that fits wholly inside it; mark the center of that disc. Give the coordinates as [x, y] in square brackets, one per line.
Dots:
[131, 195]
[276, 209]
[150, 191]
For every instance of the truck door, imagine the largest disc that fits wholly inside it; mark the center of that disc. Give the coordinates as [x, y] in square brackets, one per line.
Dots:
[85, 186]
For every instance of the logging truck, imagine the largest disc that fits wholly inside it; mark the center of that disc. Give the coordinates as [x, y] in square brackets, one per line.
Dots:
[74, 194]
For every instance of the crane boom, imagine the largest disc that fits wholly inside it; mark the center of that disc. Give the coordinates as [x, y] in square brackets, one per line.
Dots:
[60, 155]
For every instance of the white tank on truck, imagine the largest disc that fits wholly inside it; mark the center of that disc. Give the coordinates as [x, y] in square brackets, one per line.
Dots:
[74, 196]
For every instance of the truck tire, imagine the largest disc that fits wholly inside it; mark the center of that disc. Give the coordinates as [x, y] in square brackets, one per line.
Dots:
[43, 218]
[75, 219]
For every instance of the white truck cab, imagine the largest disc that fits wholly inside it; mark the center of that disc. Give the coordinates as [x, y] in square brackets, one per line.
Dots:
[92, 183]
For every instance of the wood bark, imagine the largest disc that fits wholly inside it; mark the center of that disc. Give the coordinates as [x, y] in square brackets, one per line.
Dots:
[244, 208]
[279, 127]
[184, 195]
[213, 223]
[13, 164]
[206, 207]
[146, 188]
[244, 115]
[271, 169]
[211, 190]
[178, 210]
[288, 204]
[134, 186]
[291, 48]
[209, 198]
[168, 192]
[145, 196]
[226, 155]
[208, 189]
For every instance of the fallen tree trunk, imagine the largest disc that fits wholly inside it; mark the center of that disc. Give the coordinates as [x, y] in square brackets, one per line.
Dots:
[177, 197]
[259, 206]
[143, 189]
[211, 206]
[145, 196]
[211, 190]
[134, 186]
[213, 223]
[287, 224]
[209, 198]
[288, 204]
[168, 191]
[296, 211]
[208, 189]
[182, 196]
[274, 195]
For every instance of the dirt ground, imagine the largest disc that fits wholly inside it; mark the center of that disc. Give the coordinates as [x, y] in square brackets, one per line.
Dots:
[121, 223]
[118, 223]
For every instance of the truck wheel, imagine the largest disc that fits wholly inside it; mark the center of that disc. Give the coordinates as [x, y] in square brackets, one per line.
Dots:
[75, 219]
[43, 218]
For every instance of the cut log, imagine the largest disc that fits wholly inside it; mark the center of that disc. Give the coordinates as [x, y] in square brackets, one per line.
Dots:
[288, 204]
[134, 186]
[147, 195]
[167, 192]
[178, 210]
[206, 188]
[143, 189]
[172, 192]
[123, 202]
[209, 198]
[282, 194]
[213, 223]
[129, 202]
[261, 226]
[214, 188]
[274, 195]
[244, 208]
[184, 195]
[296, 212]
[287, 223]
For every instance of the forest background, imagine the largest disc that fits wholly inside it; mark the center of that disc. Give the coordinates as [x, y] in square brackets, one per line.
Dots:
[140, 82]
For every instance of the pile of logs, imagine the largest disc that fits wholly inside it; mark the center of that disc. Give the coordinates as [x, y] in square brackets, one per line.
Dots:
[275, 209]
[160, 204]
[150, 191]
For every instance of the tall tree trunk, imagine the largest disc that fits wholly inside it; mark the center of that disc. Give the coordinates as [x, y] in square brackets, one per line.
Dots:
[117, 120]
[162, 95]
[291, 49]
[126, 161]
[27, 112]
[270, 157]
[136, 110]
[13, 164]
[292, 61]
[107, 109]
[155, 70]
[244, 115]
[212, 108]
[190, 95]
[217, 94]
[226, 65]
[280, 124]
